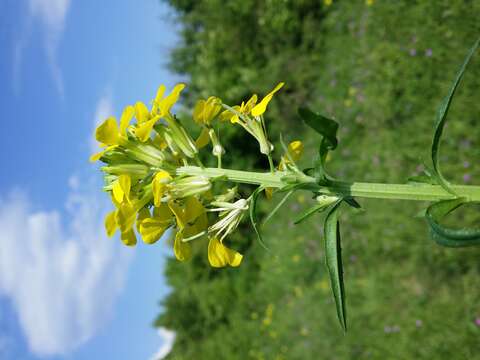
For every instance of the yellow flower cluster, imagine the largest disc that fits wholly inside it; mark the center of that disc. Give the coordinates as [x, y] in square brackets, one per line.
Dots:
[142, 154]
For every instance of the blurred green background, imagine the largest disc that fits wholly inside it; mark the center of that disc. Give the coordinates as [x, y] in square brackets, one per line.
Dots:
[380, 68]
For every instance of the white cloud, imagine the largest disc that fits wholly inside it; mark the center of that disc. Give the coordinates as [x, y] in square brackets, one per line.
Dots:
[168, 339]
[61, 273]
[103, 110]
[52, 16]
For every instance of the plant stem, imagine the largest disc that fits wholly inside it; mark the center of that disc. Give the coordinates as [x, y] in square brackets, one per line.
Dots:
[420, 192]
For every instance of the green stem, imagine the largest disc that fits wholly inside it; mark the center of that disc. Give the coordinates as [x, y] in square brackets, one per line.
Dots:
[270, 162]
[419, 192]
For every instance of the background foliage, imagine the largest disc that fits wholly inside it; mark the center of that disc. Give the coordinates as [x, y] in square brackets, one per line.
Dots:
[381, 70]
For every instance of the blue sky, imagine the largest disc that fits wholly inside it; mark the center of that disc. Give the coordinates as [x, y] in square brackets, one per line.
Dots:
[67, 291]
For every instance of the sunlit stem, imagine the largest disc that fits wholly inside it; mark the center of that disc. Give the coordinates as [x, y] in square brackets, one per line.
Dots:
[419, 192]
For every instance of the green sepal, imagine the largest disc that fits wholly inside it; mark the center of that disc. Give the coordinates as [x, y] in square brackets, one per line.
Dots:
[448, 236]
[253, 215]
[333, 258]
[442, 119]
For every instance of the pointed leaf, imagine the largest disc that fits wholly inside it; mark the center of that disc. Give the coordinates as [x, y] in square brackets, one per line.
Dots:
[279, 205]
[448, 236]
[442, 118]
[253, 215]
[309, 212]
[328, 129]
[333, 256]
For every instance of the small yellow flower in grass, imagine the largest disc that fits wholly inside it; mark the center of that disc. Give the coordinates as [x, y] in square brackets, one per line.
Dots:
[220, 256]
[327, 2]
[206, 110]
[109, 134]
[369, 2]
[261, 107]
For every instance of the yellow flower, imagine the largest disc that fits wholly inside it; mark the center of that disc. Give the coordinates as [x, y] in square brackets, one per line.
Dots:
[294, 153]
[123, 217]
[152, 228]
[160, 108]
[161, 104]
[191, 220]
[261, 107]
[369, 2]
[243, 109]
[206, 110]
[327, 2]
[110, 134]
[220, 256]
[159, 186]
[121, 188]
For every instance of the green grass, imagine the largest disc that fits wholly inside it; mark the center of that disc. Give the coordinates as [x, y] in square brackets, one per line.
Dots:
[381, 71]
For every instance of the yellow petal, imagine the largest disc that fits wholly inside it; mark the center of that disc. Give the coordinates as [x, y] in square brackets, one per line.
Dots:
[269, 193]
[144, 130]
[221, 256]
[178, 211]
[127, 116]
[110, 223]
[163, 212]
[167, 103]
[159, 186]
[97, 156]
[159, 142]
[141, 112]
[181, 249]
[198, 111]
[193, 209]
[158, 98]
[152, 229]
[250, 104]
[129, 238]
[260, 108]
[295, 148]
[107, 132]
[121, 188]
[226, 115]
[143, 214]
[203, 139]
[125, 216]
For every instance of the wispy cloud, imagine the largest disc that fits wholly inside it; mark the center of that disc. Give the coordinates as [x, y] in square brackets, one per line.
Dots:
[52, 16]
[168, 338]
[59, 270]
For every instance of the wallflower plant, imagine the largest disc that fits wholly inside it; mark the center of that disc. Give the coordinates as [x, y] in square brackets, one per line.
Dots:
[156, 181]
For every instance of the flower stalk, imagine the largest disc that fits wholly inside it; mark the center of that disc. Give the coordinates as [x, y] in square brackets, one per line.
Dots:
[419, 192]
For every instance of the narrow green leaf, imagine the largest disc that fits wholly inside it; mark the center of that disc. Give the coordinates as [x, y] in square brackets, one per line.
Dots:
[253, 215]
[333, 257]
[448, 236]
[324, 126]
[309, 212]
[442, 118]
[328, 129]
[352, 202]
[279, 205]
